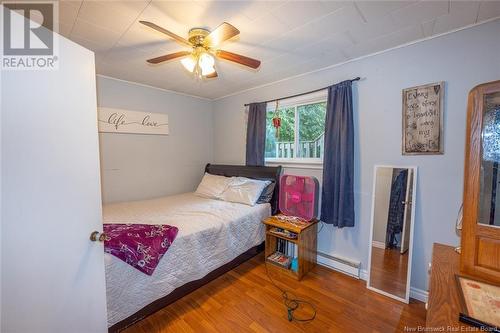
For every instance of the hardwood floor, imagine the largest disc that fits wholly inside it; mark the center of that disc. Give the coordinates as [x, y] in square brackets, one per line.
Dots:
[389, 270]
[244, 300]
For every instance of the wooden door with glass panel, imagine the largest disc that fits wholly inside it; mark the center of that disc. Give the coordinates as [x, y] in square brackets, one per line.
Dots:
[481, 221]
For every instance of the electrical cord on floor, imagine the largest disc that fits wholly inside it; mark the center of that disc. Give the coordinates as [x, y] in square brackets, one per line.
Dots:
[292, 304]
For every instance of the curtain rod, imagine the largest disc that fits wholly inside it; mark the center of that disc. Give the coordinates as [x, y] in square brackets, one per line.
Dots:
[301, 94]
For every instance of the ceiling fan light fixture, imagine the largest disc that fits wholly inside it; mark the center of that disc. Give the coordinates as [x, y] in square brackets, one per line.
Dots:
[189, 63]
[206, 62]
[200, 60]
[207, 71]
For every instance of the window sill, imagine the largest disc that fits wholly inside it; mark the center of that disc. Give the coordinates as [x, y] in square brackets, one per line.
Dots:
[295, 163]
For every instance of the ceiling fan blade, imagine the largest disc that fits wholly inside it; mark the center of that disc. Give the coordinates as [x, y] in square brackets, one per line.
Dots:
[166, 32]
[222, 33]
[167, 57]
[212, 76]
[246, 61]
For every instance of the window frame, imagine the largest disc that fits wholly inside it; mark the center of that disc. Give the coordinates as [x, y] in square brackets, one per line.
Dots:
[296, 102]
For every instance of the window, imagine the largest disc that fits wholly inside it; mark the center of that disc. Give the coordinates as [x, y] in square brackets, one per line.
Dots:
[301, 135]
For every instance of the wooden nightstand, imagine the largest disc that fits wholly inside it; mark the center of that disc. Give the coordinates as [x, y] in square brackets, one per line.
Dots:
[306, 243]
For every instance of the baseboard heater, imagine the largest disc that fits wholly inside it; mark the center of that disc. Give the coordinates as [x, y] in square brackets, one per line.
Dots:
[343, 265]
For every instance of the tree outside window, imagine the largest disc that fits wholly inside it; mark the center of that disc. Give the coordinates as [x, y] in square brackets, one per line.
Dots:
[306, 120]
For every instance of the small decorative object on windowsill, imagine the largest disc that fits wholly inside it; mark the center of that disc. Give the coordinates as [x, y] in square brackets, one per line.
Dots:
[277, 120]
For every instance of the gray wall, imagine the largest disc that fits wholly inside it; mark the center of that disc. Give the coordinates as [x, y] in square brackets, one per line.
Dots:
[135, 166]
[462, 59]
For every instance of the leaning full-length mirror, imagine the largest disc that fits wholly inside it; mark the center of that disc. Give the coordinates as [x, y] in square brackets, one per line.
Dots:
[392, 231]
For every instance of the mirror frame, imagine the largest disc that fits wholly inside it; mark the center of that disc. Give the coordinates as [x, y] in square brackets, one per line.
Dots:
[473, 262]
[412, 227]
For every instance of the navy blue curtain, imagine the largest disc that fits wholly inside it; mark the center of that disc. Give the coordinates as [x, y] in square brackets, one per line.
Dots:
[256, 134]
[337, 200]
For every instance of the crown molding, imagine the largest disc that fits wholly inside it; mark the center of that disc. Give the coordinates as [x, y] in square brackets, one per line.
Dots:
[309, 72]
[358, 58]
[153, 87]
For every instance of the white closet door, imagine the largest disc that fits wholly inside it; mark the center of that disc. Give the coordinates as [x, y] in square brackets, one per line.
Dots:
[52, 274]
[405, 235]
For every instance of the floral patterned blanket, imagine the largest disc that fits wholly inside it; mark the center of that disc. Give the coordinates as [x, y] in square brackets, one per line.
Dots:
[139, 245]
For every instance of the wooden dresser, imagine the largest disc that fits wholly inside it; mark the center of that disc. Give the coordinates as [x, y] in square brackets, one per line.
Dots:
[443, 306]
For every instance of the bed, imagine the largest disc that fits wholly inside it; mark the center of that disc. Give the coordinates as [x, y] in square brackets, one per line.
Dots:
[214, 237]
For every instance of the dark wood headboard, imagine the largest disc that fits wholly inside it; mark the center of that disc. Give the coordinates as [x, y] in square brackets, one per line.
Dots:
[255, 172]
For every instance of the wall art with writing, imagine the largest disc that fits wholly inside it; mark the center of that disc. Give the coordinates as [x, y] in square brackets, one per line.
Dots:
[423, 119]
[126, 121]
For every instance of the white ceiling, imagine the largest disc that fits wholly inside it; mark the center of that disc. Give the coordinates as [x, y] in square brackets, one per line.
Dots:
[289, 37]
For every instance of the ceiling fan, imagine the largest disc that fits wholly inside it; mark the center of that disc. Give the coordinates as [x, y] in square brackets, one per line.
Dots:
[200, 60]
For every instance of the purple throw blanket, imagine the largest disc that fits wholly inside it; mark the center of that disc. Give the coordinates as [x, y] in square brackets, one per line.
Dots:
[139, 245]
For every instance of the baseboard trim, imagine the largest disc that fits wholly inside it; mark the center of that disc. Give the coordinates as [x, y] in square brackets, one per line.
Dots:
[419, 294]
[380, 245]
[363, 275]
[340, 264]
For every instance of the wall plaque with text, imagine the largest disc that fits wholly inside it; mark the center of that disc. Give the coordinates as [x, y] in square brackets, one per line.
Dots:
[423, 119]
[126, 121]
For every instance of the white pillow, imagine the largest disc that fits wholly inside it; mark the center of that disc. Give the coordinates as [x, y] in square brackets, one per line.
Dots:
[212, 186]
[244, 190]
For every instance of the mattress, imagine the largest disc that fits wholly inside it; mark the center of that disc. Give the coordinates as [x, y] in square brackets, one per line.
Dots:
[211, 234]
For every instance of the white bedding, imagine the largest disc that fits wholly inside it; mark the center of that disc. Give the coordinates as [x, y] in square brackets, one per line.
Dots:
[211, 234]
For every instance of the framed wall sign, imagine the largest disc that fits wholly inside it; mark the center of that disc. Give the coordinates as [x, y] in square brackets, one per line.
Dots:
[126, 121]
[423, 119]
